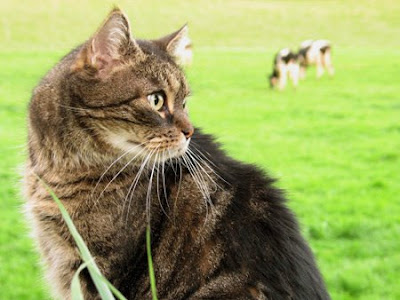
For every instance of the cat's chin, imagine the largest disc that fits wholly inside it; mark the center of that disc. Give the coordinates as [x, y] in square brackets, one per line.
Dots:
[181, 150]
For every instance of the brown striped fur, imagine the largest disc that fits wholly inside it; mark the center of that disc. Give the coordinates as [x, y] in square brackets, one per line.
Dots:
[220, 230]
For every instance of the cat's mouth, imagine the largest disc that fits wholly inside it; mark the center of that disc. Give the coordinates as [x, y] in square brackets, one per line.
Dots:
[161, 150]
[157, 148]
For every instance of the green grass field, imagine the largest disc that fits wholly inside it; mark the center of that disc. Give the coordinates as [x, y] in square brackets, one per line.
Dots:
[334, 143]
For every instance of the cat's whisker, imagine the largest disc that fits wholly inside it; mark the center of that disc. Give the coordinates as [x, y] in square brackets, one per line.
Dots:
[135, 181]
[197, 157]
[176, 164]
[112, 164]
[201, 155]
[133, 186]
[163, 179]
[148, 196]
[138, 173]
[195, 171]
[179, 163]
[200, 162]
[75, 108]
[199, 180]
[203, 180]
[119, 172]
[158, 183]
[170, 158]
[194, 145]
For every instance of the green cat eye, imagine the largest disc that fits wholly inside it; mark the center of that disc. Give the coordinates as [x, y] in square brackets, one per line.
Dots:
[156, 100]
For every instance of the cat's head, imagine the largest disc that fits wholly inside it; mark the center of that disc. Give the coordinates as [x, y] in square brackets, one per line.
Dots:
[132, 93]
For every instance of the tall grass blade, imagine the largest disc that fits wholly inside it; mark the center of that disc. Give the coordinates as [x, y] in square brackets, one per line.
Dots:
[94, 271]
[150, 262]
[76, 292]
[113, 289]
[103, 286]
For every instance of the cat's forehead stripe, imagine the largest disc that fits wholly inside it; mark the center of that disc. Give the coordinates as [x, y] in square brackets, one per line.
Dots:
[177, 88]
[170, 102]
[173, 81]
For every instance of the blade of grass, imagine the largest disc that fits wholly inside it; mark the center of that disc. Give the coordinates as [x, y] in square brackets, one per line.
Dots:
[150, 262]
[94, 271]
[76, 292]
[103, 286]
[114, 290]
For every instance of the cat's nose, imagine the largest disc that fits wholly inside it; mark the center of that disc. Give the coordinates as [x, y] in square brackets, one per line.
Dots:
[183, 124]
[188, 132]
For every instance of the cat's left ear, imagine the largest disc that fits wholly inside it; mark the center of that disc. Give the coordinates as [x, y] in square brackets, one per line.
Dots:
[178, 45]
[108, 46]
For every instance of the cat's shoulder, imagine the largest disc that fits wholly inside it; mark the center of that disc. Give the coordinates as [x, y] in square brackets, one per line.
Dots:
[248, 182]
[210, 149]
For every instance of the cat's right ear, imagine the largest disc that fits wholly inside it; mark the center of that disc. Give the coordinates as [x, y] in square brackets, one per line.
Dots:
[178, 45]
[108, 47]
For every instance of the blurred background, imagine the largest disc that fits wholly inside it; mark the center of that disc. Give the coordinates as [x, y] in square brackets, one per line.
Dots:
[333, 143]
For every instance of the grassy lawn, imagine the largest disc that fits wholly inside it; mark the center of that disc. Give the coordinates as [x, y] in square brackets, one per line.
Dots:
[333, 143]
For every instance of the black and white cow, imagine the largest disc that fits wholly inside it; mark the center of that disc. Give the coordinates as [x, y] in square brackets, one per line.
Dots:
[285, 66]
[316, 53]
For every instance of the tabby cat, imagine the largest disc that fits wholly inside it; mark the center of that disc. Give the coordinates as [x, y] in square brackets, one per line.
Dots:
[109, 132]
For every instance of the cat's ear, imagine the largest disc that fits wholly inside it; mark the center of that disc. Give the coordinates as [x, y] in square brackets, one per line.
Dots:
[108, 46]
[178, 45]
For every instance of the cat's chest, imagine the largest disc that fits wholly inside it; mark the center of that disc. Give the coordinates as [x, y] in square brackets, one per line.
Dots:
[128, 207]
[113, 221]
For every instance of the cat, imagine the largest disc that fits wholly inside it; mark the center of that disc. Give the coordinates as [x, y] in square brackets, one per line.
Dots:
[109, 133]
[285, 65]
[318, 53]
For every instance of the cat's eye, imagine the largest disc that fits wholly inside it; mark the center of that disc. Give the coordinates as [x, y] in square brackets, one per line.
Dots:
[156, 100]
